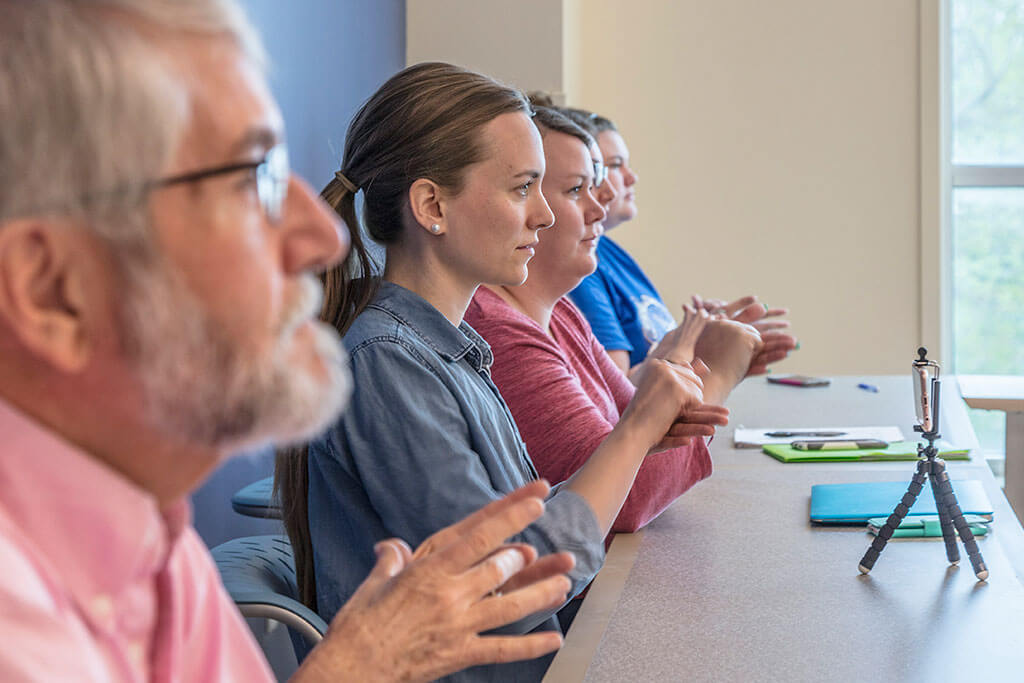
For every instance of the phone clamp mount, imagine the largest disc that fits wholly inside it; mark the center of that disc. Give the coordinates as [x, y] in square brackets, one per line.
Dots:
[929, 468]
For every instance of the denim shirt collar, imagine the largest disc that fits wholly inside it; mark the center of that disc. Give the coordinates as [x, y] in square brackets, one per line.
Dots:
[450, 342]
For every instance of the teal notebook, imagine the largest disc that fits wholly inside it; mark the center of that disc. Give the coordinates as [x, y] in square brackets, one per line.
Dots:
[857, 503]
[926, 526]
[898, 450]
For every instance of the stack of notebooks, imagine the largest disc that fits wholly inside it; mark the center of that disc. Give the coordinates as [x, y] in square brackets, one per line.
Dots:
[872, 502]
[778, 443]
[898, 450]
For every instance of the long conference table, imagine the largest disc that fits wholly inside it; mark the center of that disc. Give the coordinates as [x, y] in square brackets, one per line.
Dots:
[733, 583]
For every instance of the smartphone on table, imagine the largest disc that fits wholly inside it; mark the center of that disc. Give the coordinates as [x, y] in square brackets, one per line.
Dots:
[799, 380]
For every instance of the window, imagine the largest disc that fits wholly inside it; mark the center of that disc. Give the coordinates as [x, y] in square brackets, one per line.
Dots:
[987, 121]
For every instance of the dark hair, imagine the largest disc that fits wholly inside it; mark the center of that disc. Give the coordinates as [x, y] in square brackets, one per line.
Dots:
[592, 123]
[546, 118]
[424, 122]
[598, 123]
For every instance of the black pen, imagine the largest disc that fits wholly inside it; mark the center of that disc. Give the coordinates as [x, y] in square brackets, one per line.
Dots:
[781, 435]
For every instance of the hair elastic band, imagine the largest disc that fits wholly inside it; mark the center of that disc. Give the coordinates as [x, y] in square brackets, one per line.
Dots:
[346, 183]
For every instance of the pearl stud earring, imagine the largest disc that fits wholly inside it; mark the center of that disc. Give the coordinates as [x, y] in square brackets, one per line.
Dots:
[435, 228]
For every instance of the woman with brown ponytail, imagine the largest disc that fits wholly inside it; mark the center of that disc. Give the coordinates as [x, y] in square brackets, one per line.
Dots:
[448, 164]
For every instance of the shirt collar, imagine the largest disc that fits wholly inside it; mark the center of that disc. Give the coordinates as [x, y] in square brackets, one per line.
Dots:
[450, 342]
[98, 531]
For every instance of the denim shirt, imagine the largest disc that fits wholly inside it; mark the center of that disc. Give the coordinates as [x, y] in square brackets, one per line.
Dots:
[426, 441]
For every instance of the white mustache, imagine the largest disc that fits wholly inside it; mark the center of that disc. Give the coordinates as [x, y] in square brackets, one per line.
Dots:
[304, 305]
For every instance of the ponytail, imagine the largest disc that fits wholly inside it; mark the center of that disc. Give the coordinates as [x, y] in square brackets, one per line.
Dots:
[291, 483]
[348, 289]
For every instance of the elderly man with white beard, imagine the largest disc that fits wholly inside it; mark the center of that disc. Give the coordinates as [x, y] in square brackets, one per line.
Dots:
[157, 303]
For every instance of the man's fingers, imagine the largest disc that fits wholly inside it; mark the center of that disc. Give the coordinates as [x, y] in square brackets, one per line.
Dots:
[493, 572]
[701, 368]
[773, 312]
[468, 541]
[528, 552]
[549, 565]
[392, 557]
[499, 610]
[487, 649]
[489, 533]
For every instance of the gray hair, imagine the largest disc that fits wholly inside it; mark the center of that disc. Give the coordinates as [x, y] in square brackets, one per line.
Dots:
[89, 108]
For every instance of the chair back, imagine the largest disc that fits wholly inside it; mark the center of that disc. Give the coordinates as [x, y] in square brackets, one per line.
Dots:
[259, 574]
[257, 500]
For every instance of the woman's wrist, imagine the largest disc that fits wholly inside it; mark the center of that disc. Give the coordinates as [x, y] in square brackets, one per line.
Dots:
[718, 386]
[628, 435]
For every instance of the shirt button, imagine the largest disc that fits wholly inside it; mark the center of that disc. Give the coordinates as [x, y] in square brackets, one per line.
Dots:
[102, 609]
[137, 653]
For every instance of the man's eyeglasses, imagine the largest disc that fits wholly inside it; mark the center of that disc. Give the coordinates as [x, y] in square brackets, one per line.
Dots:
[600, 173]
[272, 175]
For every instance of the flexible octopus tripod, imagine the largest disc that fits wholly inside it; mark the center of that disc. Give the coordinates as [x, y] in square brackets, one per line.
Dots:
[930, 468]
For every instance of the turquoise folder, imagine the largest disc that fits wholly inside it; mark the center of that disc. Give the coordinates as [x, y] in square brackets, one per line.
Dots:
[857, 503]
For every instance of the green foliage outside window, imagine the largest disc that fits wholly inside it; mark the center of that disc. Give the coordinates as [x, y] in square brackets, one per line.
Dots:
[988, 223]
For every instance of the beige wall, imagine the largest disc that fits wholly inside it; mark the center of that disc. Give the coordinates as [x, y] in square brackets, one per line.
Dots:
[778, 145]
[488, 36]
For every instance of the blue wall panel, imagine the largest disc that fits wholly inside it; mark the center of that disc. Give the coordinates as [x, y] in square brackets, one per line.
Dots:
[327, 57]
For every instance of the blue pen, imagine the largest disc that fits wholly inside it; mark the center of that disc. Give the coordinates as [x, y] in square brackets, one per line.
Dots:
[868, 387]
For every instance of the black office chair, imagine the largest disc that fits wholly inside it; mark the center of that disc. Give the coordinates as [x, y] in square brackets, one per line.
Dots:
[259, 574]
[257, 500]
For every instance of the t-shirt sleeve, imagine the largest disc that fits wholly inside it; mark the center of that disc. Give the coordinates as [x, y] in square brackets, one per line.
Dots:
[559, 422]
[412, 451]
[593, 298]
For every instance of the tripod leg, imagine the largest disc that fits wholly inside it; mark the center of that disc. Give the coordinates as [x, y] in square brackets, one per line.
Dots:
[902, 508]
[945, 521]
[940, 479]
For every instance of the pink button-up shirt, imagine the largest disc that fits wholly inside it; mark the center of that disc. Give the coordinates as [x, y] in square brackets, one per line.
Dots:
[97, 583]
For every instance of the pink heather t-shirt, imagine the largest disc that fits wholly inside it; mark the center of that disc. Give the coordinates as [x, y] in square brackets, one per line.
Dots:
[97, 583]
[566, 395]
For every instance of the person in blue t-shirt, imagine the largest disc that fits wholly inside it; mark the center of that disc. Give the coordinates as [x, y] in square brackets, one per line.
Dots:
[622, 305]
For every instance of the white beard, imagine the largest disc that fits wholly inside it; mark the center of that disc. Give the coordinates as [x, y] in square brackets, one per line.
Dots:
[200, 387]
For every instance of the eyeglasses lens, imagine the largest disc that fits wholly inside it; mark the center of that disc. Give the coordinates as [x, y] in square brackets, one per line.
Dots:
[272, 181]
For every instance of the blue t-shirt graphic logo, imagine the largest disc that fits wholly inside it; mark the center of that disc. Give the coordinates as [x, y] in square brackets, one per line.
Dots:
[654, 318]
[621, 304]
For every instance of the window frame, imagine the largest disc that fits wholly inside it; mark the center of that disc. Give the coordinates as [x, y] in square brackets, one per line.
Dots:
[941, 177]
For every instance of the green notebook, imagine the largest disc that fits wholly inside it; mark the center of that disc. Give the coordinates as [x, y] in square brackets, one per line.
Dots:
[897, 450]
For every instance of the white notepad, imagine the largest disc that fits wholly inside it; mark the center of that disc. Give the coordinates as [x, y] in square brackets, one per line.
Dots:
[755, 438]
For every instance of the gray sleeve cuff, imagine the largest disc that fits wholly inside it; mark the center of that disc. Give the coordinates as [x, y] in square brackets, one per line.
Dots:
[573, 528]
